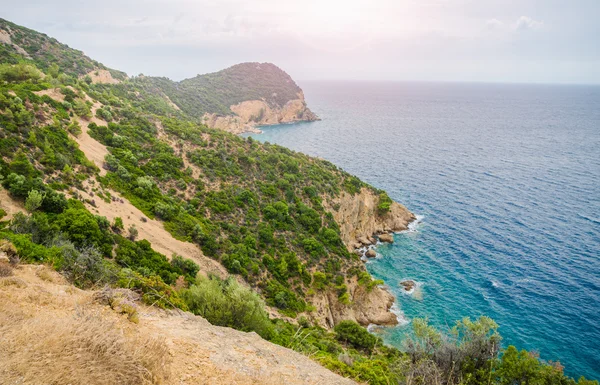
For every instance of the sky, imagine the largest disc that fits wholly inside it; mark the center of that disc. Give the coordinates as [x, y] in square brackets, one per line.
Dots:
[541, 41]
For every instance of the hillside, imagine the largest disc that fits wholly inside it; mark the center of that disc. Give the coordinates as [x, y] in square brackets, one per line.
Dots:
[17, 43]
[113, 185]
[235, 99]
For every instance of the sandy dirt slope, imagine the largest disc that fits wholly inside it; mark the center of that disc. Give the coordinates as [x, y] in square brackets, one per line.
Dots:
[94, 150]
[9, 205]
[197, 352]
[149, 229]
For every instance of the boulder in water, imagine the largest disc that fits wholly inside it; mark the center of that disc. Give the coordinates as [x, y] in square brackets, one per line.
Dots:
[371, 253]
[408, 285]
[388, 238]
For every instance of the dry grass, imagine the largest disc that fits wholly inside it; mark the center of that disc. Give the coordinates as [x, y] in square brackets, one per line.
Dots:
[45, 274]
[13, 281]
[5, 269]
[123, 301]
[80, 348]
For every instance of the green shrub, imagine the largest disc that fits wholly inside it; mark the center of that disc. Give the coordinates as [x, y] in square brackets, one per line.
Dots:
[384, 204]
[227, 303]
[352, 333]
[84, 267]
[153, 290]
[34, 200]
[19, 73]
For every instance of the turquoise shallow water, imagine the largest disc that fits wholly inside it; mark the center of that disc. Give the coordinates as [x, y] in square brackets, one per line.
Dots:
[506, 181]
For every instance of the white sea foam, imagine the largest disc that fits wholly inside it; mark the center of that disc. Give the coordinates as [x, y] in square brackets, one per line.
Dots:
[413, 226]
[402, 320]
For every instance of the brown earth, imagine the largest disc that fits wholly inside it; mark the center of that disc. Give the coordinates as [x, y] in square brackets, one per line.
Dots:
[10, 205]
[151, 230]
[102, 77]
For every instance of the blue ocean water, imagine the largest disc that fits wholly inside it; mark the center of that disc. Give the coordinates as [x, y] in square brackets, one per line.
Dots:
[506, 181]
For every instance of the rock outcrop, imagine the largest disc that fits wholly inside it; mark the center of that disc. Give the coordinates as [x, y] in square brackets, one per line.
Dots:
[359, 220]
[253, 113]
[367, 306]
[387, 238]
[408, 285]
[371, 253]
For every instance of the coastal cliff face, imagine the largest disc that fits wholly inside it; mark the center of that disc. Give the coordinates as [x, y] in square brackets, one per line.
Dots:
[360, 221]
[367, 307]
[252, 113]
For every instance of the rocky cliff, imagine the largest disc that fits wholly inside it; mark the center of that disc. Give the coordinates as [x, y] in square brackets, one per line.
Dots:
[249, 114]
[359, 220]
[368, 306]
[360, 223]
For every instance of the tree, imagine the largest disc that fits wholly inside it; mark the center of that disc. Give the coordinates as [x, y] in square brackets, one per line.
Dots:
[21, 166]
[34, 200]
[53, 70]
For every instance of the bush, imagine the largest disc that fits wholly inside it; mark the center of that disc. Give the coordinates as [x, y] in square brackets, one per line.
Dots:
[117, 225]
[19, 73]
[82, 109]
[186, 267]
[152, 289]
[385, 203]
[227, 303]
[84, 267]
[352, 333]
[34, 200]
[133, 233]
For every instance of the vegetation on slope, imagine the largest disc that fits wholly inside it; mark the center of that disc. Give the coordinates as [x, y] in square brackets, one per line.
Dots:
[216, 92]
[46, 53]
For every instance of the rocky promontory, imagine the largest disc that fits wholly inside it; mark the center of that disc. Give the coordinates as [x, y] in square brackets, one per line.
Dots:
[250, 114]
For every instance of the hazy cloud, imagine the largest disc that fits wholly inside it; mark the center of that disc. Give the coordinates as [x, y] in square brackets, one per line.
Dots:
[358, 39]
[525, 23]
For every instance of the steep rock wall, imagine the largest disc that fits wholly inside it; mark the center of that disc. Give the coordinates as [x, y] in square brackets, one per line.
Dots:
[367, 306]
[359, 220]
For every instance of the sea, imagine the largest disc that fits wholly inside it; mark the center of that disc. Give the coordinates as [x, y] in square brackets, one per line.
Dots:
[505, 182]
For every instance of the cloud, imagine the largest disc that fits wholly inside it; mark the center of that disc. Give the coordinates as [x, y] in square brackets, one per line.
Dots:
[523, 23]
[527, 23]
[494, 24]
